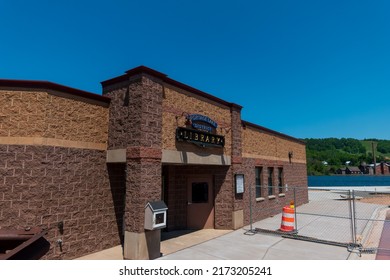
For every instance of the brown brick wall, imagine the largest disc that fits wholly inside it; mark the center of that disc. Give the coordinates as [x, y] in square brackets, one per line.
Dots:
[135, 125]
[176, 180]
[41, 186]
[76, 120]
[294, 176]
[22, 113]
[236, 135]
[261, 144]
[177, 103]
[38, 114]
[135, 114]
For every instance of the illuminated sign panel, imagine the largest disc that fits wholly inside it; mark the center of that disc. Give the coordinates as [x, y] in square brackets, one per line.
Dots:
[199, 137]
[199, 131]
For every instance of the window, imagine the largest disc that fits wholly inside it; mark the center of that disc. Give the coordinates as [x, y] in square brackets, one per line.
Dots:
[258, 181]
[270, 180]
[280, 179]
[200, 192]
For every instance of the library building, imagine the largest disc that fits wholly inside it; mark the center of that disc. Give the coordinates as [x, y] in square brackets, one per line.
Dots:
[83, 172]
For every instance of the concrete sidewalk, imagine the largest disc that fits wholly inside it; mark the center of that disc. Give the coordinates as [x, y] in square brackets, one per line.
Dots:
[326, 217]
[242, 244]
[171, 242]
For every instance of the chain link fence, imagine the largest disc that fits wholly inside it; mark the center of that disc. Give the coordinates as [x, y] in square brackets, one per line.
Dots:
[356, 219]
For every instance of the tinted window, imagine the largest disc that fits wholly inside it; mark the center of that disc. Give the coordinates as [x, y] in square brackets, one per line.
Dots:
[200, 192]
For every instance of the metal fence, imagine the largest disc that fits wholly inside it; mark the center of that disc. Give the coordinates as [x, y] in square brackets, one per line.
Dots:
[356, 219]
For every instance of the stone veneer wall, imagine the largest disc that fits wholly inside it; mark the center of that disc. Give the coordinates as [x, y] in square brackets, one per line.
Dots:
[135, 125]
[177, 103]
[266, 149]
[225, 200]
[42, 117]
[176, 193]
[265, 145]
[294, 175]
[42, 185]
[53, 169]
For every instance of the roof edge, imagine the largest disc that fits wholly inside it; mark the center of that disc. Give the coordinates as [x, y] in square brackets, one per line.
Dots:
[163, 77]
[53, 86]
[246, 123]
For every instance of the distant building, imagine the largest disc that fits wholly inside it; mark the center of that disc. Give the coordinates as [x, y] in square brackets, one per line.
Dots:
[364, 168]
[341, 171]
[349, 170]
[353, 170]
[385, 168]
[382, 168]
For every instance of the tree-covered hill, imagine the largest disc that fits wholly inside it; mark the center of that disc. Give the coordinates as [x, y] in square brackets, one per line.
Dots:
[325, 156]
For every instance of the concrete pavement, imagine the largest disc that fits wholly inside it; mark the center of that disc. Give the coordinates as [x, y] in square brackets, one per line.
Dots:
[332, 225]
[241, 245]
[326, 217]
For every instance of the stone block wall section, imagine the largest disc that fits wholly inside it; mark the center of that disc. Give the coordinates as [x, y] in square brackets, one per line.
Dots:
[42, 186]
[178, 103]
[258, 142]
[53, 167]
[294, 175]
[136, 125]
[22, 113]
[135, 113]
[176, 194]
[265, 148]
[51, 118]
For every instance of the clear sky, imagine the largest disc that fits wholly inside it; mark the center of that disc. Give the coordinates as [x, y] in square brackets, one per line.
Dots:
[305, 68]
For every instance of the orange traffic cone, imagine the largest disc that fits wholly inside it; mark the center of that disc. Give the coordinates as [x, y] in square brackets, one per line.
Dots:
[287, 219]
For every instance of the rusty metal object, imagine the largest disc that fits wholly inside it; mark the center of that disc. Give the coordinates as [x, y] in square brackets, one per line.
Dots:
[20, 244]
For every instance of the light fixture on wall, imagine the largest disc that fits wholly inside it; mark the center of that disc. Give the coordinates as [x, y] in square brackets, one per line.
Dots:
[290, 155]
[226, 129]
[177, 117]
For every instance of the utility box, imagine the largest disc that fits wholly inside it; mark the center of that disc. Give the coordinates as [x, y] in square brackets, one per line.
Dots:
[155, 215]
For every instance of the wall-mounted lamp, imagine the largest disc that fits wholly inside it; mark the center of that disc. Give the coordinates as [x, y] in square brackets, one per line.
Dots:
[290, 155]
[226, 129]
[60, 226]
[184, 114]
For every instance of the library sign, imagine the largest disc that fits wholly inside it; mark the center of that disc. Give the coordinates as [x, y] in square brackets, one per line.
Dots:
[199, 131]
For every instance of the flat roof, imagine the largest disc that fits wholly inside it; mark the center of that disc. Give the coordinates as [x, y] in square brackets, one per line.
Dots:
[28, 84]
[262, 128]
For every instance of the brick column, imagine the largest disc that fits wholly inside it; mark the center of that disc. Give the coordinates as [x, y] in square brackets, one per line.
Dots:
[238, 213]
[135, 126]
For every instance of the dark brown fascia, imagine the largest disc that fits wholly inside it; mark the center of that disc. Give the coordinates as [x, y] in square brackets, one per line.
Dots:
[164, 78]
[262, 128]
[26, 84]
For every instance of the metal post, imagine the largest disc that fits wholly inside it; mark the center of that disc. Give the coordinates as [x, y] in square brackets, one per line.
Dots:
[373, 156]
[295, 211]
[250, 208]
[352, 216]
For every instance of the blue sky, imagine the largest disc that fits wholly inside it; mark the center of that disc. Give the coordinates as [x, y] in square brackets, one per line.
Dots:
[305, 68]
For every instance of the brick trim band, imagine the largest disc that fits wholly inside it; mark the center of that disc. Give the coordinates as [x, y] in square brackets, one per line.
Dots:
[246, 155]
[42, 141]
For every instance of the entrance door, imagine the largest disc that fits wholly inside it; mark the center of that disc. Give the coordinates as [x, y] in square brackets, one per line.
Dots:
[200, 210]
